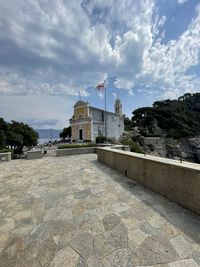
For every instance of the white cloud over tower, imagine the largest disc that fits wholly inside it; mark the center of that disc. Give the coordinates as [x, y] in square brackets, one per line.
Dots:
[62, 47]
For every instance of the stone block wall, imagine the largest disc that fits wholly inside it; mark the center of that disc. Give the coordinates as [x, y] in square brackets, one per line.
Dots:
[75, 151]
[34, 154]
[5, 156]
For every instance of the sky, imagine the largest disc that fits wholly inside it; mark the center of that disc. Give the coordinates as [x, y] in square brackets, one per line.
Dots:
[51, 52]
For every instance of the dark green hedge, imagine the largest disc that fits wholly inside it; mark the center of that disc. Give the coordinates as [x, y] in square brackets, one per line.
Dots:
[4, 150]
[100, 139]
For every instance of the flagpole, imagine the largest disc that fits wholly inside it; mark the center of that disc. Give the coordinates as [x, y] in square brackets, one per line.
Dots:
[105, 115]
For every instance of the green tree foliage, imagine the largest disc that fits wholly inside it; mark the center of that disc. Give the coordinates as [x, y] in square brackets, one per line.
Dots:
[176, 118]
[127, 123]
[134, 147]
[2, 139]
[3, 129]
[17, 135]
[100, 139]
[66, 132]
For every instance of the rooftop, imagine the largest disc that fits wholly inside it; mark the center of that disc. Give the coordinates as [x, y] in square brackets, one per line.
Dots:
[75, 211]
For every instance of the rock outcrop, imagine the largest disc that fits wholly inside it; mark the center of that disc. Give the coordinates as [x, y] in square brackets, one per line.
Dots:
[187, 149]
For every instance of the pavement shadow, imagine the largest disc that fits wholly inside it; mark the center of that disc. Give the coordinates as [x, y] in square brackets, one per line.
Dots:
[181, 218]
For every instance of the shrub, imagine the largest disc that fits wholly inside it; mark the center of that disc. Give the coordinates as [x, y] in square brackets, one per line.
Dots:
[100, 139]
[126, 141]
[111, 140]
[4, 150]
[151, 147]
[134, 147]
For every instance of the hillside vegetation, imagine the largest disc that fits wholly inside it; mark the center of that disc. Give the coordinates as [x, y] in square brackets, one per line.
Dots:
[170, 118]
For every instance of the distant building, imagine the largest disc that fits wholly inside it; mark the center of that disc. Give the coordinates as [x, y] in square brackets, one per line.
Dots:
[88, 122]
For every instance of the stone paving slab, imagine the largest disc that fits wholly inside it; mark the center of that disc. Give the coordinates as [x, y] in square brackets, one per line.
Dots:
[76, 212]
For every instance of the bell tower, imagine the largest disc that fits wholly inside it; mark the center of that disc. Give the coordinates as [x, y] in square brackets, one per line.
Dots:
[118, 107]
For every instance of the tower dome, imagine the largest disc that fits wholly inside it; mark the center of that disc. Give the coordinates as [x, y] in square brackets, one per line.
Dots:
[80, 103]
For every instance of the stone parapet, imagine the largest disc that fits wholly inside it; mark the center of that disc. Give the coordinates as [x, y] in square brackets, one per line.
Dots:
[75, 151]
[5, 156]
[34, 154]
[179, 182]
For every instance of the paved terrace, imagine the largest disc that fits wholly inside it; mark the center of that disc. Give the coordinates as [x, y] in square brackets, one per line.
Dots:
[74, 211]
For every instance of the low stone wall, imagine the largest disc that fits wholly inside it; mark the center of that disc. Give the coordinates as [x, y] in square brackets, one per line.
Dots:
[34, 154]
[121, 147]
[5, 156]
[179, 182]
[75, 151]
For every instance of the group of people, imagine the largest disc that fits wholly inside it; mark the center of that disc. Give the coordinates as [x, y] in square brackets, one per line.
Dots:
[69, 139]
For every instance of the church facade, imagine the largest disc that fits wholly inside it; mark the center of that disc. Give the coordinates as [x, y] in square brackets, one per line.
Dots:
[88, 122]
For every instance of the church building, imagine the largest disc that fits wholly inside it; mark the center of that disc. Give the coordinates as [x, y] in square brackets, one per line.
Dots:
[88, 122]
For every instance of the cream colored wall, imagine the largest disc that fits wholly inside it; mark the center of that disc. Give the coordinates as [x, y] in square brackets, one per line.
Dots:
[80, 111]
[85, 126]
[86, 131]
[74, 132]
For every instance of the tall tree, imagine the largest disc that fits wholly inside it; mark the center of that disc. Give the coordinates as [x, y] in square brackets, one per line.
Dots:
[172, 118]
[128, 123]
[16, 135]
[66, 133]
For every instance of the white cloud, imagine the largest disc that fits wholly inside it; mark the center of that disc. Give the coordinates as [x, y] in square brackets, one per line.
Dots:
[64, 47]
[61, 46]
[114, 95]
[167, 65]
[101, 94]
[55, 42]
[181, 2]
[122, 83]
[130, 91]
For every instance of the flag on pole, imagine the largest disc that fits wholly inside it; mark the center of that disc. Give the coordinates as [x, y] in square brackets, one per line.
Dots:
[100, 86]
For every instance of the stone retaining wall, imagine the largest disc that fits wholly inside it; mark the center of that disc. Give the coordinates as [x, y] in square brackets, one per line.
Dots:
[179, 182]
[75, 151]
[34, 154]
[5, 156]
